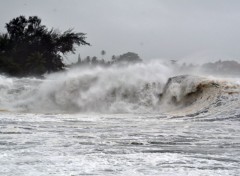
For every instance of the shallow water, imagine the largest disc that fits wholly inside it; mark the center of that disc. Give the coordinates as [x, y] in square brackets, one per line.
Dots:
[117, 144]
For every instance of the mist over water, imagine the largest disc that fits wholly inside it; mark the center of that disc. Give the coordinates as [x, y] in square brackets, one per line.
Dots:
[115, 89]
[139, 88]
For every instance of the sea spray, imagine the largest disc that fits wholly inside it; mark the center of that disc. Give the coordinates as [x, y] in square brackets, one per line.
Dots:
[140, 88]
[132, 88]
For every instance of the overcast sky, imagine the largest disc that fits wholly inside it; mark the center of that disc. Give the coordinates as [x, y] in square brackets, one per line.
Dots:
[155, 29]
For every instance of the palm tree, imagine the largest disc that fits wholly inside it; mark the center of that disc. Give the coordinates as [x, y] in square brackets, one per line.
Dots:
[79, 59]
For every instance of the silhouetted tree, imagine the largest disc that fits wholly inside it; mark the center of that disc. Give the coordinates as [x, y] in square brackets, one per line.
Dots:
[113, 58]
[29, 48]
[94, 60]
[129, 57]
[103, 53]
[87, 60]
[79, 59]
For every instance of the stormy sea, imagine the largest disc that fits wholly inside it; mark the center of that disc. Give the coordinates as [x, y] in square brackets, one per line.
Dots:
[141, 119]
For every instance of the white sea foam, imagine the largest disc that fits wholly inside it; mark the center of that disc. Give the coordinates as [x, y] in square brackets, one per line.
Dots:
[108, 143]
[116, 89]
[135, 88]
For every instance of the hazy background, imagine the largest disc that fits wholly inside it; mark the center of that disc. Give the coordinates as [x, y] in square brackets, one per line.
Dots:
[193, 30]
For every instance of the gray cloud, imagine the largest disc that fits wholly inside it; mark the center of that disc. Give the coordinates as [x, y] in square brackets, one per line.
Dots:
[172, 29]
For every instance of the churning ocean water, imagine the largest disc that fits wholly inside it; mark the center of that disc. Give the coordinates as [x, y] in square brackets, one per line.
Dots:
[135, 120]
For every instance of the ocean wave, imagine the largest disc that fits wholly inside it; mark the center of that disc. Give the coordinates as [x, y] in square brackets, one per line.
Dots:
[200, 96]
[139, 88]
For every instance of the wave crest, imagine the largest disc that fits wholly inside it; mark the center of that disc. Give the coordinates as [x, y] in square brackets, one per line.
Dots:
[140, 88]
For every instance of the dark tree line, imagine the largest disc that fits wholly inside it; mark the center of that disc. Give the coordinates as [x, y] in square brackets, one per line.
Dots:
[30, 49]
[124, 59]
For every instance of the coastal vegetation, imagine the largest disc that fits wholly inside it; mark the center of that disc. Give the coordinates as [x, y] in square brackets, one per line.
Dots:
[124, 59]
[30, 49]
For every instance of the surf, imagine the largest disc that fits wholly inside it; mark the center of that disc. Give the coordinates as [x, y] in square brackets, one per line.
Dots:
[140, 88]
[189, 95]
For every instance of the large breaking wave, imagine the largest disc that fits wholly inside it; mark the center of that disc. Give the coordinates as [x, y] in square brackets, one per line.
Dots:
[200, 96]
[139, 88]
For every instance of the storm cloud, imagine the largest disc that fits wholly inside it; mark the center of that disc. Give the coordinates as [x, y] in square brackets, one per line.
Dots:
[193, 30]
